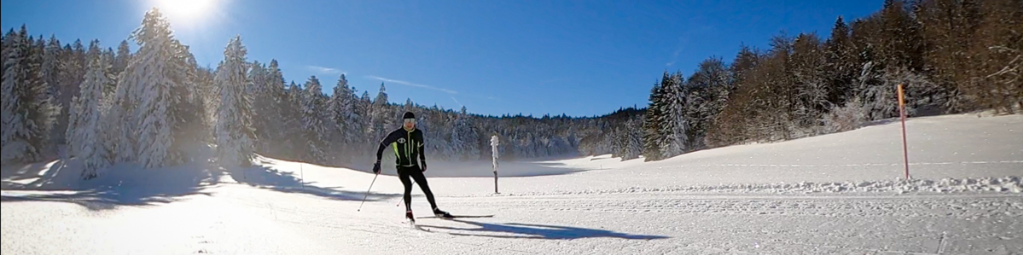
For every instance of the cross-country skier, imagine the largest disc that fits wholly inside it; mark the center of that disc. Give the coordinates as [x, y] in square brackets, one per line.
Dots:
[407, 143]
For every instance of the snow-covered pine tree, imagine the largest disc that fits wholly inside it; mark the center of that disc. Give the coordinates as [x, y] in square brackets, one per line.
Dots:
[234, 133]
[315, 121]
[209, 96]
[381, 114]
[123, 57]
[69, 73]
[458, 145]
[85, 130]
[652, 122]
[290, 137]
[73, 112]
[366, 112]
[52, 65]
[257, 77]
[675, 122]
[28, 110]
[192, 130]
[342, 108]
[8, 102]
[436, 143]
[272, 111]
[634, 147]
[109, 55]
[464, 137]
[120, 131]
[149, 94]
[694, 111]
[353, 122]
[3, 48]
[262, 104]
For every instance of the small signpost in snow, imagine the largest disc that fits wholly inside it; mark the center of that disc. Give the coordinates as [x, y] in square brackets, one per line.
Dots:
[493, 148]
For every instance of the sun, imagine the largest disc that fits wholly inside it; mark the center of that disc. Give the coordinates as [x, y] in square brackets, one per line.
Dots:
[185, 10]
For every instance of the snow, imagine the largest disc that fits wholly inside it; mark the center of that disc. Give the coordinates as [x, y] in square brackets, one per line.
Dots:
[806, 196]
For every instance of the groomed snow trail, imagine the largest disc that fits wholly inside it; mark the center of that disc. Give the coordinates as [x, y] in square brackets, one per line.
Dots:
[834, 194]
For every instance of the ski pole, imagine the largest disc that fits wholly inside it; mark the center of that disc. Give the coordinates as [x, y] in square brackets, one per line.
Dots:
[367, 191]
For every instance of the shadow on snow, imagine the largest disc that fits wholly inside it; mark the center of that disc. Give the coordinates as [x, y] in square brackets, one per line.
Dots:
[535, 231]
[132, 185]
[272, 179]
[127, 184]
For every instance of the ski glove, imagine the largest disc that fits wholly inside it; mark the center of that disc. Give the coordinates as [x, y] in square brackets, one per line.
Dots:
[376, 167]
[424, 166]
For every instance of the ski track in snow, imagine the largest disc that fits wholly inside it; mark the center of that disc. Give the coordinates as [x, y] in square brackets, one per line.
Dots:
[242, 220]
[801, 224]
[725, 224]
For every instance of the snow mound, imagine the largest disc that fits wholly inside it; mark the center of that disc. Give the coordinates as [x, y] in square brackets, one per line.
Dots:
[1008, 184]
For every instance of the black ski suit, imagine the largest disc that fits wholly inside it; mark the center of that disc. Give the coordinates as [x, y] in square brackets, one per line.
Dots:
[408, 145]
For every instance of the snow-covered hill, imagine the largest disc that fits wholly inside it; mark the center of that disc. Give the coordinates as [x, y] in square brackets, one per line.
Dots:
[833, 194]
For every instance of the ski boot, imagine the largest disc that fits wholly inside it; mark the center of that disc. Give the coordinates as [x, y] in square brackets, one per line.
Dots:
[408, 215]
[441, 214]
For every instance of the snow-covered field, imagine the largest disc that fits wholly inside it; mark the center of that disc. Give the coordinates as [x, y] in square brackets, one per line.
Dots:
[833, 194]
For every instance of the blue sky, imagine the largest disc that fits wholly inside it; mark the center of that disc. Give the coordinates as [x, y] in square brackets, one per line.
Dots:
[580, 58]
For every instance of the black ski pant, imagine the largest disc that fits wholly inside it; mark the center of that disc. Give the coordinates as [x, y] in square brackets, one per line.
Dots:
[416, 173]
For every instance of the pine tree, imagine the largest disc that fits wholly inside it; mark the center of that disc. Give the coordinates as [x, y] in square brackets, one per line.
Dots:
[674, 124]
[366, 110]
[28, 110]
[315, 121]
[652, 122]
[715, 87]
[274, 112]
[52, 66]
[192, 129]
[262, 103]
[632, 139]
[292, 132]
[123, 57]
[85, 129]
[731, 125]
[234, 132]
[150, 95]
[464, 137]
[69, 72]
[381, 120]
[344, 116]
[841, 65]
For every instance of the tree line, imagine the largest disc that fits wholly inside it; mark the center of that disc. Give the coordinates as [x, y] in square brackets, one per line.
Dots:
[951, 56]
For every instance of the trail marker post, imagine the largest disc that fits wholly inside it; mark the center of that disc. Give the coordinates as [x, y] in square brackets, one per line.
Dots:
[493, 148]
[902, 113]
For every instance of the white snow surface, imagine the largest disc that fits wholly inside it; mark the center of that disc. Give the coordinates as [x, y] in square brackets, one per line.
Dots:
[833, 194]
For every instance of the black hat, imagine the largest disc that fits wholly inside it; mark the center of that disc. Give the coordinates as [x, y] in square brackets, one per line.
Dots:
[409, 115]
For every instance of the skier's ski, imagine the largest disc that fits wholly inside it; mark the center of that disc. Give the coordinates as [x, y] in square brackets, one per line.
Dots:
[459, 216]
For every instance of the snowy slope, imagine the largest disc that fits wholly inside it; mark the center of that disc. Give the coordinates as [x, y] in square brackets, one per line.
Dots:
[833, 194]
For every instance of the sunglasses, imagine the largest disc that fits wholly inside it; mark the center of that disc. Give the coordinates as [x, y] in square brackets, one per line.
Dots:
[413, 121]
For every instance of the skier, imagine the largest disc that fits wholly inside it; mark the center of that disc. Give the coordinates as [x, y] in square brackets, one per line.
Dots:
[407, 143]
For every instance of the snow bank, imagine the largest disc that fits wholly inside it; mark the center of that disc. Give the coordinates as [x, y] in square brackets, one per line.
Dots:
[1008, 184]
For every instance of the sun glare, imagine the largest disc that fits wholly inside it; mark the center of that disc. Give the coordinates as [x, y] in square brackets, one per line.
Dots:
[185, 10]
